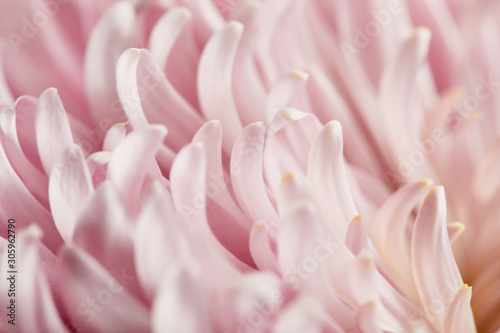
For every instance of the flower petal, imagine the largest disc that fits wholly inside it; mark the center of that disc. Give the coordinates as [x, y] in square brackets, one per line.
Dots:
[282, 91]
[366, 317]
[112, 35]
[434, 268]
[165, 33]
[69, 185]
[148, 97]
[129, 162]
[401, 76]
[36, 284]
[159, 239]
[357, 236]
[246, 173]
[181, 304]
[114, 136]
[459, 316]
[17, 202]
[389, 232]
[226, 219]
[53, 134]
[35, 181]
[187, 183]
[305, 315]
[328, 179]
[26, 112]
[289, 135]
[104, 230]
[261, 249]
[214, 81]
[95, 300]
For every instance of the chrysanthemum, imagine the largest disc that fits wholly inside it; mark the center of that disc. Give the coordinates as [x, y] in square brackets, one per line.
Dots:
[250, 166]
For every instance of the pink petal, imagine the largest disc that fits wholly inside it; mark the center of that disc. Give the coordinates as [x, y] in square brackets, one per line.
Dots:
[187, 183]
[112, 35]
[328, 104]
[434, 268]
[367, 318]
[148, 97]
[401, 76]
[389, 232]
[115, 135]
[129, 162]
[159, 239]
[283, 90]
[455, 230]
[34, 296]
[165, 33]
[53, 134]
[104, 230]
[26, 111]
[95, 300]
[215, 81]
[327, 176]
[17, 202]
[246, 173]
[254, 301]
[35, 181]
[486, 181]
[6, 97]
[357, 236]
[312, 259]
[459, 316]
[261, 250]
[226, 219]
[305, 315]
[69, 185]
[294, 189]
[290, 134]
[181, 304]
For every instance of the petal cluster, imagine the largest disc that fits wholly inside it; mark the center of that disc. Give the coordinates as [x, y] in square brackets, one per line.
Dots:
[259, 166]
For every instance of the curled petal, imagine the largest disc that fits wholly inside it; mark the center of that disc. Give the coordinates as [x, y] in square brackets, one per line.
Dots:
[214, 80]
[327, 176]
[112, 35]
[130, 161]
[434, 268]
[53, 134]
[247, 175]
[459, 317]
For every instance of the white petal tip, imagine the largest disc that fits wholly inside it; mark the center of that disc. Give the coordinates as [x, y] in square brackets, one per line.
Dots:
[300, 74]
[422, 32]
[235, 26]
[255, 126]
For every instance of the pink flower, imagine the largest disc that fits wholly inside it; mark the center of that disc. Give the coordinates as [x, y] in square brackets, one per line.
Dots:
[197, 182]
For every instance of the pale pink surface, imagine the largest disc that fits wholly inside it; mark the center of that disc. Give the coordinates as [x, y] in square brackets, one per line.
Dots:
[230, 200]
